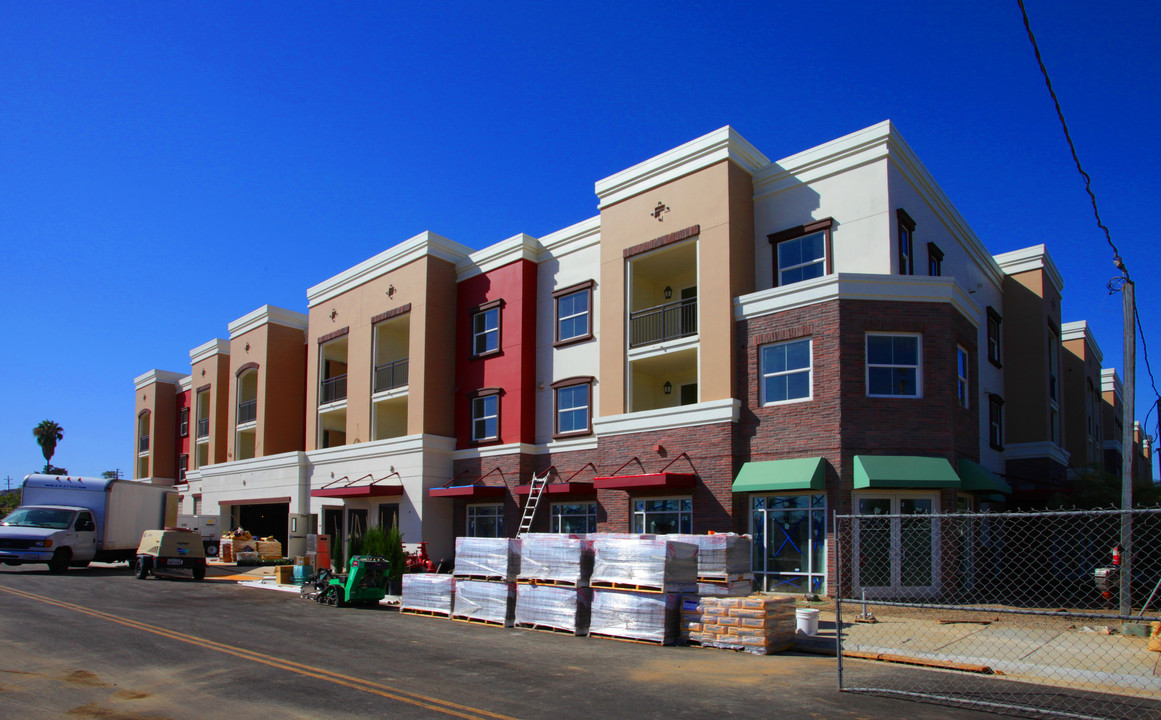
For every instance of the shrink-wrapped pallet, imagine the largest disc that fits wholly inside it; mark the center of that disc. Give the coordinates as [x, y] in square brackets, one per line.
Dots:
[428, 592]
[555, 607]
[645, 563]
[636, 616]
[721, 556]
[491, 558]
[759, 624]
[549, 557]
[492, 602]
[734, 588]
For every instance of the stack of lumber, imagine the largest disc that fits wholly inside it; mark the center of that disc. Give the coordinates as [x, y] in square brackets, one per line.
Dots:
[484, 601]
[488, 558]
[554, 607]
[428, 593]
[759, 624]
[654, 565]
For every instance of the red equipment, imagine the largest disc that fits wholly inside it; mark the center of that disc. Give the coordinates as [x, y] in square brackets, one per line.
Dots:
[419, 562]
[1116, 554]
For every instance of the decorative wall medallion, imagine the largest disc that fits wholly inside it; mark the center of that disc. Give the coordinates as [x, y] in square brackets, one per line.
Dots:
[660, 210]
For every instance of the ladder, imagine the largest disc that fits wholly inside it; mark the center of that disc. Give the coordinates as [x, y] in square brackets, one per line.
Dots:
[535, 490]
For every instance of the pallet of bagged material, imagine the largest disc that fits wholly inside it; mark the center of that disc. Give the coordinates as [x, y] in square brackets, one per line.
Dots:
[562, 608]
[649, 617]
[734, 588]
[644, 565]
[480, 558]
[429, 592]
[759, 624]
[488, 602]
[554, 558]
[721, 556]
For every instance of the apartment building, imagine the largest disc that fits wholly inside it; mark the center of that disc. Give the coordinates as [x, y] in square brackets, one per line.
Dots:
[730, 344]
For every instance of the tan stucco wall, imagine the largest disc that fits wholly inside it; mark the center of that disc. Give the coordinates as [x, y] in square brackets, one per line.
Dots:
[281, 356]
[160, 399]
[719, 199]
[1031, 309]
[215, 372]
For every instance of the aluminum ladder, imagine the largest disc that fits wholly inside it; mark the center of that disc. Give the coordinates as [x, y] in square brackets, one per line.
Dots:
[535, 490]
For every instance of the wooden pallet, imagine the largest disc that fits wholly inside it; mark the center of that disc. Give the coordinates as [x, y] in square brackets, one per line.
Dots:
[630, 587]
[483, 578]
[640, 641]
[548, 629]
[724, 579]
[428, 613]
[479, 621]
[549, 582]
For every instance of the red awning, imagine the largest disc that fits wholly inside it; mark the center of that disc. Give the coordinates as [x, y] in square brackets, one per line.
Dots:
[560, 488]
[358, 491]
[651, 481]
[469, 491]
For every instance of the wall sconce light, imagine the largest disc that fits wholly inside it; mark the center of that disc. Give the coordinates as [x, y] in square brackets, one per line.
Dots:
[667, 388]
[668, 292]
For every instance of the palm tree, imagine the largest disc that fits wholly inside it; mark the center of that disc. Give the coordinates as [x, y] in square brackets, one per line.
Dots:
[48, 434]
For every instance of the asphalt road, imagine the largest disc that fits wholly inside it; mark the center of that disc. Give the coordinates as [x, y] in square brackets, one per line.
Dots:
[96, 643]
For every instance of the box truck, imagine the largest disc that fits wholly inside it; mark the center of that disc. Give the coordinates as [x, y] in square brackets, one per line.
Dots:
[72, 521]
[207, 527]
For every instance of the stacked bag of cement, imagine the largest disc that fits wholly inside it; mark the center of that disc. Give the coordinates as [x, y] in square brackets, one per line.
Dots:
[428, 593]
[486, 569]
[552, 591]
[637, 585]
[759, 624]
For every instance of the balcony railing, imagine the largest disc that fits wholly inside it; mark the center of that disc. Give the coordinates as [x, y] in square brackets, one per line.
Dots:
[663, 322]
[203, 427]
[333, 389]
[143, 444]
[247, 411]
[391, 375]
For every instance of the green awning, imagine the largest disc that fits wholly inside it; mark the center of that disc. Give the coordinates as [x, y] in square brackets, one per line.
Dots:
[782, 475]
[903, 471]
[974, 476]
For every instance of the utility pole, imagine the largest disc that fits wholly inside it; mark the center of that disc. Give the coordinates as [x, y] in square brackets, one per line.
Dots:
[1127, 296]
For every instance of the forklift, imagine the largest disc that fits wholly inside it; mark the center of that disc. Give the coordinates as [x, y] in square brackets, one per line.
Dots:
[364, 583]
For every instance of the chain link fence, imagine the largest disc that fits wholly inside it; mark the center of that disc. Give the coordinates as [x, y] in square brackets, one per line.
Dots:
[1016, 612]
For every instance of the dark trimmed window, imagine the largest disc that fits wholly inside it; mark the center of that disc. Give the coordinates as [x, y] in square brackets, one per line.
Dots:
[486, 415]
[183, 422]
[486, 328]
[486, 521]
[996, 422]
[995, 348]
[572, 403]
[574, 313]
[962, 369]
[182, 467]
[934, 260]
[906, 242]
[802, 252]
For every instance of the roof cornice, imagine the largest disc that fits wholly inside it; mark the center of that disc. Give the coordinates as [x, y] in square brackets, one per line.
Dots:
[157, 376]
[1028, 259]
[1111, 381]
[517, 247]
[1080, 330]
[585, 233]
[205, 351]
[721, 144]
[394, 257]
[267, 315]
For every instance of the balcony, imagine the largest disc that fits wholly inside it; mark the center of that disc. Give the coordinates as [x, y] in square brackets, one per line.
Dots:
[670, 321]
[247, 411]
[333, 389]
[389, 376]
[203, 428]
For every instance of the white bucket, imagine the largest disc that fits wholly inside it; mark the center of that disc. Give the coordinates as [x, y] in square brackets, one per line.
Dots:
[807, 621]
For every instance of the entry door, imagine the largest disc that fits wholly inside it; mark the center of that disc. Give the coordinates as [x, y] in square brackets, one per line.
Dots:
[895, 555]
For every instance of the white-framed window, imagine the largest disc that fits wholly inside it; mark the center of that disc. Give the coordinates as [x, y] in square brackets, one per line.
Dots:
[579, 517]
[486, 331]
[573, 313]
[486, 521]
[486, 417]
[961, 369]
[662, 516]
[789, 534]
[786, 371]
[573, 398]
[893, 365]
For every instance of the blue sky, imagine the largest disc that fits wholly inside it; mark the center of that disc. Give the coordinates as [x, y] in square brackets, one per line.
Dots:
[166, 168]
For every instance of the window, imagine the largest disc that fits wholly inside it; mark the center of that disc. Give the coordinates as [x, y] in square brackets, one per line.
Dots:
[197, 504]
[182, 467]
[1053, 398]
[486, 417]
[573, 305]
[996, 422]
[789, 533]
[802, 253]
[934, 260]
[785, 369]
[995, 351]
[183, 422]
[486, 521]
[961, 361]
[893, 366]
[486, 329]
[663, 516]
[573, 398]
[906, 242]
[573, 517]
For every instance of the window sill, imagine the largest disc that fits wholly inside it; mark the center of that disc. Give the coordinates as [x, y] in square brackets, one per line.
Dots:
[487, 354]
[573, 434]
[573, 341]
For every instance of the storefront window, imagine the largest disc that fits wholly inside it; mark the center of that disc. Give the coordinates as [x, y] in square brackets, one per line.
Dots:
[789, 534]
[574, 517]
[486, 521]
[663, 516]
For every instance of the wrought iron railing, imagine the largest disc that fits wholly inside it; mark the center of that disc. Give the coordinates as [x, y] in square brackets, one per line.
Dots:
[247, 411]
[333, 389]
[389, 376]
[663, 322]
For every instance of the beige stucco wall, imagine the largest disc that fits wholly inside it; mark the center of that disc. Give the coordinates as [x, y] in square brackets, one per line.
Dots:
[215, 372]
[719, 200]
[1031, 311]
[281, 357]
[160, 399]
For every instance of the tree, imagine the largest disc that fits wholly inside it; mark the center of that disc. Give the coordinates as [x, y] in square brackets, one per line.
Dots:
[110, 474]
[48, 434]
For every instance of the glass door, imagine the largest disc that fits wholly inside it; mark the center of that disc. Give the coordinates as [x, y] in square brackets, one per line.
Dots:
[895, 546]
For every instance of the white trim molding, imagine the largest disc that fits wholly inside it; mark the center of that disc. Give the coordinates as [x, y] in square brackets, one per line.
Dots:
[493, 451]
[158, 376]
[267, 314]
[583, 234]
[1080, 330]
[1028, 259]
[205, 351]
[1111, 381]
[517, 247]
[706, 413]
[1036, 451]
[383, 448]
[722, 144]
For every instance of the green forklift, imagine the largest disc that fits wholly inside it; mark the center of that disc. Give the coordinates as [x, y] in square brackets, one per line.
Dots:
[364, 583]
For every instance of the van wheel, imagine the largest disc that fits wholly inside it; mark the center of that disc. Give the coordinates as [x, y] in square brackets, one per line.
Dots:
[142, 568]
[199, 572]
[60, 561]
[211, 549]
